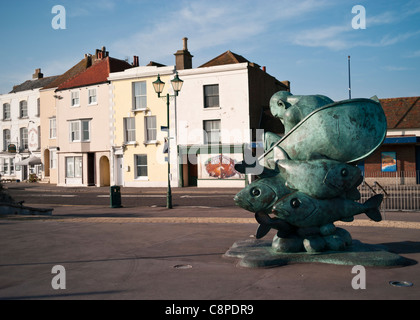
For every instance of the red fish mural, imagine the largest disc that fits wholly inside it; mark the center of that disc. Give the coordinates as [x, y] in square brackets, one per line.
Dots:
[221, 167]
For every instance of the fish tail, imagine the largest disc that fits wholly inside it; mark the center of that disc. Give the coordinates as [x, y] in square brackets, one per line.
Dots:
[372, 207]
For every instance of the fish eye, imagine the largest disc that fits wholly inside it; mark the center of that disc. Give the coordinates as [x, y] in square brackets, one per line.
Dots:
[295, 203]
[255, 192]
[344, 172]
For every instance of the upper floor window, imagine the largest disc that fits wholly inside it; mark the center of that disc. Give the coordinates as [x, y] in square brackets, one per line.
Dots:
[53, 128]
[92, 96]
[80, 131]
[211, 131]
[150, 125]
[38, 107]
[23, 109]
[23, 138]
[6, 111]
[75, 99]
[6, 139]
[139, 95]
[211, 96]
[129, 129]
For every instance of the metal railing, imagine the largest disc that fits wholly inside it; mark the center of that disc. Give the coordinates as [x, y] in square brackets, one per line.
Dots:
[397, 196]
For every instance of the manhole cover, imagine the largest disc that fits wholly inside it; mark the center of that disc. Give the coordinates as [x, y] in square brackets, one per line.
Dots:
[401, 283]
[183, 266]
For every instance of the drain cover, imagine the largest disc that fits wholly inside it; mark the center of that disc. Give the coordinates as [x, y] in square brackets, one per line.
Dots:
[183, 266]
[401, 283]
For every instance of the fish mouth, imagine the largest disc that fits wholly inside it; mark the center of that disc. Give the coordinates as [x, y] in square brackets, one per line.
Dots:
[243, 203]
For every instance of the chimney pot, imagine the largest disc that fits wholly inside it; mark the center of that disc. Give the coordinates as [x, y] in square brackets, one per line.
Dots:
[37, 74]
[183, 58]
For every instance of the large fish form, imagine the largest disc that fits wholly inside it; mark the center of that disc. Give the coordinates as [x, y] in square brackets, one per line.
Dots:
[301, 210]
[321, 178]
[262, 194]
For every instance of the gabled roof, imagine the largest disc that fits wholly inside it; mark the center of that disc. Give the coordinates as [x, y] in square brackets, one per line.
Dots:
[97, 73]
[81, 66]
[227, 57]
[402, 113]
[33, 84]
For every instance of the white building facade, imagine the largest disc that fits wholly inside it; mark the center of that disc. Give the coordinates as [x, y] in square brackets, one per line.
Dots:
[20, 155]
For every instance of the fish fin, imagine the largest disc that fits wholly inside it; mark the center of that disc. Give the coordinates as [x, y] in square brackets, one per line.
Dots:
[375, 98]
[317, 156]
[262, 230]
[280, 154]
[264, 220]
[372, 206]
[290, 185]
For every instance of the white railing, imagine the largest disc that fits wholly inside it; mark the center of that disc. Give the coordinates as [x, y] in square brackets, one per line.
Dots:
[402, 194]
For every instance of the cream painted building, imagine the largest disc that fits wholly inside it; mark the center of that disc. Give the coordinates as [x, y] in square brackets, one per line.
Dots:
[138, 156]
[83, 125]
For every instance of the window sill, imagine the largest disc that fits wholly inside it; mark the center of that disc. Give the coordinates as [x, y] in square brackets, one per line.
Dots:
[92, 104]
[23, 118]
[139, 110]
[142, 178]
[155, 142]
[130, 143]
[212, 108]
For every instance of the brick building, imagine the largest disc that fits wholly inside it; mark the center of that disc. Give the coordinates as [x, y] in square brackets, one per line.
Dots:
[398, 159]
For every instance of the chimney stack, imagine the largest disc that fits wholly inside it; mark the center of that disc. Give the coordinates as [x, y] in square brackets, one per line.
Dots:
[183, 58]
[135, 61]
[37, 74]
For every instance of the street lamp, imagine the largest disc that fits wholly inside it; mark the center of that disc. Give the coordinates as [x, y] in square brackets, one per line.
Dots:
[158, 85]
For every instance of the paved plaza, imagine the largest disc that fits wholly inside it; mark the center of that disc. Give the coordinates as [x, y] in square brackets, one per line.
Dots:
[152, 253]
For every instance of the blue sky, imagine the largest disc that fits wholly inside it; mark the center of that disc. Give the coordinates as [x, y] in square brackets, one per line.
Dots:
[304, 41]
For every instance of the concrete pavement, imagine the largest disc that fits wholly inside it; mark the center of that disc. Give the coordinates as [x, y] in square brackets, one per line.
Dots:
[154, 253]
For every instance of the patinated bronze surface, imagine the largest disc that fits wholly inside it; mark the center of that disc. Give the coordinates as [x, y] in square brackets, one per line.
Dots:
[308, 178]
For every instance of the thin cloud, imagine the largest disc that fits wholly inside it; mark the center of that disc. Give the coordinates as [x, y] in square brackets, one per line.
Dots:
[222, 23]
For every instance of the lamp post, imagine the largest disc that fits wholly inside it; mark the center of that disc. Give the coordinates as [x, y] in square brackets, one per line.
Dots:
[158, 85]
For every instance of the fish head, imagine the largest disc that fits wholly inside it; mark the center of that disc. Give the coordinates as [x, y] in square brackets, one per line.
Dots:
[343, 176]
[260, 195]
[295, 208]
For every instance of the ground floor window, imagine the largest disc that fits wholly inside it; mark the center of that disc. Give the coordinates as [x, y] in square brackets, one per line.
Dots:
[8, 167]
[74, 167]
[140, 161]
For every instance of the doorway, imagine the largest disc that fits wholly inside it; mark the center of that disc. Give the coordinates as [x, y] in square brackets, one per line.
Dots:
[91, 169]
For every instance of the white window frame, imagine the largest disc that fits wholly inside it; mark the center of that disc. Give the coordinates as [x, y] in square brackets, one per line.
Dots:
[6, 141]
[75, 98]
[53, 128]
[23, 109]
[92, 97]
[24, 141]
[150, 129]
[137, 167]
[129, 130]
[6, 111]
[77, 167]
[77, 133]
[211, 96]
[139, 96]
[209, 133]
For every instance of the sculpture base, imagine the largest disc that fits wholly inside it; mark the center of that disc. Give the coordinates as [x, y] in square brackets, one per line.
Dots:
[260, 253]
